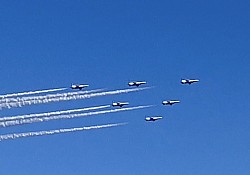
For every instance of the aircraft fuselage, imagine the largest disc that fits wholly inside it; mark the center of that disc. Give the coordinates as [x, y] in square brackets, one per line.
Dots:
[79, 86]
[170, 102]
[136, 83]
[189, 81]
[152, 119]
[120, 104]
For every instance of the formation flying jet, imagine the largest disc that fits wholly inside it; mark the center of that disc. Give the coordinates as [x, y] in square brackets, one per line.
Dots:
[136, 83]
[153, 118]
[120, 104]
[189, 81]
[170, 102]
[79, 86]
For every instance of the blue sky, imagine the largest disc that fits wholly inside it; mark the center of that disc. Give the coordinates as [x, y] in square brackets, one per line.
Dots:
[52, 43]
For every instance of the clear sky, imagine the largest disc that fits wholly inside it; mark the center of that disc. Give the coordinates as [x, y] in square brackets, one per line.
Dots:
[53, 43]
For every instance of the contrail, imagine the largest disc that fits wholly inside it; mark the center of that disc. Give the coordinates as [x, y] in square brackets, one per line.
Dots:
[56, 131]
[42, 97]
[31, 92]
[66, 98]
[70, 116]
[48, 114]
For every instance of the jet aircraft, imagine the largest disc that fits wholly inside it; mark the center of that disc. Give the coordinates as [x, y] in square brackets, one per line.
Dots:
[153, 118]
[136, 83]
[170, 102]
[189, 81]
[79, 86]
[120, 104]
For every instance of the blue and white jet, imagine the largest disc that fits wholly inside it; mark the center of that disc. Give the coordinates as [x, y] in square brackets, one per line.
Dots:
[152, 119]
[136, 83]
[120, 104]
[189, 81]
[170, 102]
[79, 86]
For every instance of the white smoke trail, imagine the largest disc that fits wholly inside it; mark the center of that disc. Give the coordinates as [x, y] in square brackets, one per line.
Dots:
[56, 131]
[66, 98]
[31, 92]
[70, 116]
[48, 114]
[42, 97]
